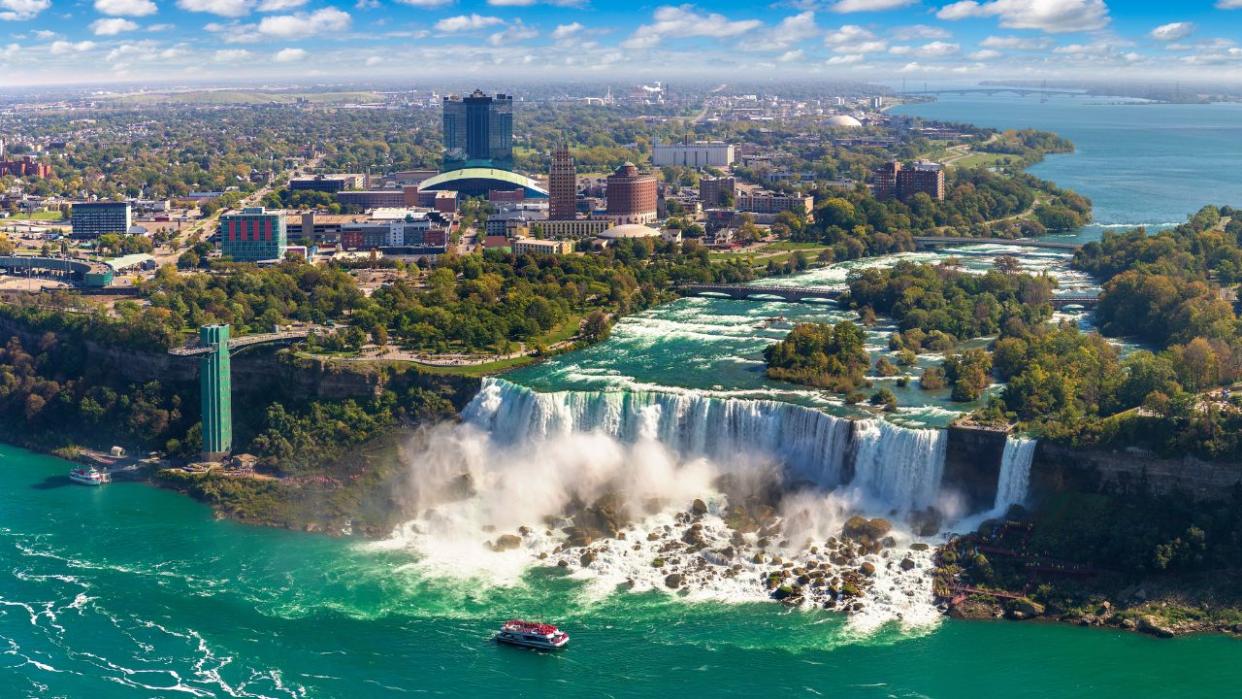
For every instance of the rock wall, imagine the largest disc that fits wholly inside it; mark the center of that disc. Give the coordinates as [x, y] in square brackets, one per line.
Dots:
[972, 464]
[1057, 468]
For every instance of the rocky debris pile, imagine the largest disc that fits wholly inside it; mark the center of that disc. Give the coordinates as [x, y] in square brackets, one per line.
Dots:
[713, 549]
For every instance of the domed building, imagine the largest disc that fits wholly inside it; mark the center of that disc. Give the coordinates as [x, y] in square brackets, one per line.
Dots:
[629, 230]
[843, 121]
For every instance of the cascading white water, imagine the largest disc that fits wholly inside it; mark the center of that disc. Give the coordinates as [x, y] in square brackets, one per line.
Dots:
[1015, 472]
[898, 466]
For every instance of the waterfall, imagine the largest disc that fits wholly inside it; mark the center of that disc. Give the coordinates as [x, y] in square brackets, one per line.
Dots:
[1015, 472]
[902, 467]
[899, 466]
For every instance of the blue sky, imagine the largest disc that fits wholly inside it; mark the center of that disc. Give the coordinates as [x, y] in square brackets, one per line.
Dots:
[59, 41]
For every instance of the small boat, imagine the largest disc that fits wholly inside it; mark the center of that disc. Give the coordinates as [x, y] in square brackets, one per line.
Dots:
[531, 634]
[89, 475]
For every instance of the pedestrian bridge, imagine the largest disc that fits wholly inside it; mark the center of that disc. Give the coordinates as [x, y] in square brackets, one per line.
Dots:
[935, 241]
[245, 341]
[1084, 300]
[748, 292]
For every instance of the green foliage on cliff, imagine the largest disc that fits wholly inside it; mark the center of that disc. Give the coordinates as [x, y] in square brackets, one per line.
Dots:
[818, 354]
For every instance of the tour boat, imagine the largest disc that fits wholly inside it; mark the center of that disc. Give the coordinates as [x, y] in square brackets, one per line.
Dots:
[89, 475]
[530, 634]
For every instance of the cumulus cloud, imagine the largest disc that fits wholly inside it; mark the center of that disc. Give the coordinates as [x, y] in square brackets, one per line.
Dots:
[684, 22]
[465, 23]
[847, 34]
[329, 19]
[1014, 42]
[1229, 5]
[790, 31]
[112, 26]
[374, 60]
[279, 5]
[1173, 31]
[567, 31]
[1052, 16]
[514, 34]
[223, 8]
[985, 55]
[919, 31]
[845, 6]
[791, 56]
[61, 48]
[126, 8]
[231, 55]
[846, 60]
[19, 10]
[289, 55]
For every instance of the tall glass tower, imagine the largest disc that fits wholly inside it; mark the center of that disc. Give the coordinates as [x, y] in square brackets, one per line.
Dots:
[478, 131]
[216, 387]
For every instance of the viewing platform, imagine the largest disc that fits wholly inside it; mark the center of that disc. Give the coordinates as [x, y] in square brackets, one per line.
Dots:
[235, 344]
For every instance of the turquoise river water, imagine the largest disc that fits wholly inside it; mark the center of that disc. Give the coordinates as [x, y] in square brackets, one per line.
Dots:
[130, 591]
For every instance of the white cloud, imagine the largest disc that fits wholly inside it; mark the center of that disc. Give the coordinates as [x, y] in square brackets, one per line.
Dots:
[18, 10]
[45, 34]
[517, 33]
[1173, 31]
[1014, 42]
[126, 8]
[985, 55]
[223, 8]
[847, 34]
[231, 55]
[791, 30]
[846, 60]
[301, 25]
[937, 49]
[1229, 5]
[289, 55]
[374, 60]
[278, 5]
[426, 3]
[1053, 16]
[112, 26]
[465, 23]
[685, 22]
[792, 56]
[10, 51]
[869, 5]
[566, 31]
[920, 31]
[511, 3]
[161, 27]
[60, 48]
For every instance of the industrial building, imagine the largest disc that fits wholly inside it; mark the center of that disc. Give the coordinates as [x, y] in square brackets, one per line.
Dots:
[697, 154]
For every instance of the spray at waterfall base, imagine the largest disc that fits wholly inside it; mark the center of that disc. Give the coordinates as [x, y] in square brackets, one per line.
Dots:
[702, 497]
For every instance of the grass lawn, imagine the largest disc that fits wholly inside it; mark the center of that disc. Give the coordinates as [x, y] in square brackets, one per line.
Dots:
[41, 216]
[985, 160]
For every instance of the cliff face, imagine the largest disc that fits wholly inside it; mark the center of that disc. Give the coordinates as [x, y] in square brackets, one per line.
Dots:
[972, 464]
[1057, 468]
[973, 457]
[259, 372]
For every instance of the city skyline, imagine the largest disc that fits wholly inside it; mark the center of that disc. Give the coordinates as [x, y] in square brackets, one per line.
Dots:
[102, 41]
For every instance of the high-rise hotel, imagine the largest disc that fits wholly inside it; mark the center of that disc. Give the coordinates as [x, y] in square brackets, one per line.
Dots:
[478, 131]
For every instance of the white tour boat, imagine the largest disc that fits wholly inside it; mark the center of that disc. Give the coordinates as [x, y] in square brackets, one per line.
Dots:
[530, 634]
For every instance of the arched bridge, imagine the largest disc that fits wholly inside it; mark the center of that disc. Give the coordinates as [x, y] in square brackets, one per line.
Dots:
[744, 292]
[935, 241]
[237, 344]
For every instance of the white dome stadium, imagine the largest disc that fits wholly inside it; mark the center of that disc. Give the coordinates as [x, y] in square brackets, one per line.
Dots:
[844, 121]
[629, 230]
